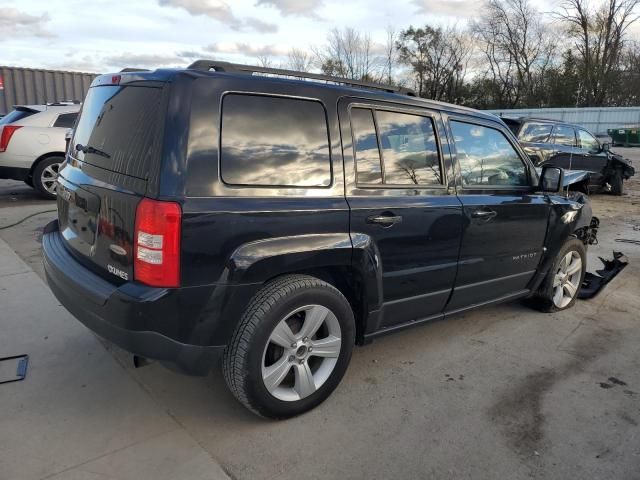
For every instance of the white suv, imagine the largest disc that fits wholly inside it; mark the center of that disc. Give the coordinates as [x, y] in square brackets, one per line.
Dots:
[32, 143]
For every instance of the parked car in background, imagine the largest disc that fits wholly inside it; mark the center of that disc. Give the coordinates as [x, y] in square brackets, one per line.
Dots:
[571, 147]
[32, 143]
[209, 212]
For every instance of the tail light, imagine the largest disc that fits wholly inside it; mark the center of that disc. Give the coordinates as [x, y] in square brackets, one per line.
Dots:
[157, 243]
[5, 136]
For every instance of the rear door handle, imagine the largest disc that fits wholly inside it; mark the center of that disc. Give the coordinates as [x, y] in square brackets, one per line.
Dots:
[485, 214]
[385, 220]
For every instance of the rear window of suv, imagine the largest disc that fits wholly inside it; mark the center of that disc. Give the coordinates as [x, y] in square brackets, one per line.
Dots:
[118, 129]
[15, 115]
[274, 141]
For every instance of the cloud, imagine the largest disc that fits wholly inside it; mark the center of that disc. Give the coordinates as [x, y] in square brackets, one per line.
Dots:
[453, 8]
[303, 8]
[247, 49]
[259, 26]
[221, 11]
[13, 22]
[152, 60]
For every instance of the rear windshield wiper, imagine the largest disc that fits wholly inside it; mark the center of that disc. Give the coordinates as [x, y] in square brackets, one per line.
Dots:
[89, 149]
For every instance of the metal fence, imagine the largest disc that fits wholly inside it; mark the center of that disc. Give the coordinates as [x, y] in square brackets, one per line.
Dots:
[597, 120]
[30, 86]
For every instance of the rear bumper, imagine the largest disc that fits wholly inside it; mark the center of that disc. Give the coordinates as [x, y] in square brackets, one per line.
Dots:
[117, 313]
[14, 173]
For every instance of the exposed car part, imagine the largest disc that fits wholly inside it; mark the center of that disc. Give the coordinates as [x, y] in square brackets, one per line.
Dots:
[589, 235]
[593, 283]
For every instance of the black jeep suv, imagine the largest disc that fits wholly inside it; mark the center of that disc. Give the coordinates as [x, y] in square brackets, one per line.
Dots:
[571, 147]
[223, 209]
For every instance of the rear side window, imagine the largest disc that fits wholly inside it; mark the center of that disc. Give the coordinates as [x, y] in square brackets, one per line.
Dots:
[486, 157]
[535, 133]
[409, 149]
[66, 120]
[404, 152]
[118, 129]
[563, 135]
[15, 115]
[274, 141]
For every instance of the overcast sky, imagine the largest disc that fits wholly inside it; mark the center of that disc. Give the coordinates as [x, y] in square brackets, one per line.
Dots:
[103, 35]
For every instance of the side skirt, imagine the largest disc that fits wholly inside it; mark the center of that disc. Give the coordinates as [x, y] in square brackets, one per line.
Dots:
[441, 316]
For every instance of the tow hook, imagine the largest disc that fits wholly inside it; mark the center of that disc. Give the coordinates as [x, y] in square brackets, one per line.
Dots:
[593, 283]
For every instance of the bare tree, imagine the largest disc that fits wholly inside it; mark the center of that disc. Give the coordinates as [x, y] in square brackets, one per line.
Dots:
[264, 61]
[300, 60]
[518, 47]
[390, 54]
[599, 35]
[438, 59]
[349, 54]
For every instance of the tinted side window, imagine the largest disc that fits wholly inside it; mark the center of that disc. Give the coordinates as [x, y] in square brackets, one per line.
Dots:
[535, 133]
[274, 141]
[409, 149]
[486, 157]
[588, 141]
[368, 167]
[66, 120]
[563, 135]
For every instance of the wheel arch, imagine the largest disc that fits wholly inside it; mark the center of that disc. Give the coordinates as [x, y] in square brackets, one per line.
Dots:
[348, 262]
[42, 157]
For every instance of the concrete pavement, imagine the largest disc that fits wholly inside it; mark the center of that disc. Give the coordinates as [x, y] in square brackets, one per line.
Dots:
[78, 414]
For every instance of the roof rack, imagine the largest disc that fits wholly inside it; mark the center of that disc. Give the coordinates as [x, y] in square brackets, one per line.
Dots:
[134, 69]
[63, 103]
[208, 65]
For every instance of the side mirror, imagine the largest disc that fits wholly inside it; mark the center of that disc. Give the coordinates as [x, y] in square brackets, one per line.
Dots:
[551, 179]
[605, 147]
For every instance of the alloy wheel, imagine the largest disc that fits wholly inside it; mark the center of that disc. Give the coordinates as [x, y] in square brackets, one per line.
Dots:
[566, 281]
[49, 178]
[301, 353]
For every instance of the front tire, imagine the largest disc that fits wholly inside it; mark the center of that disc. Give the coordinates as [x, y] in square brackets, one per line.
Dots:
[560, 287]
[617, 186]
[291, 348]
[45, 176]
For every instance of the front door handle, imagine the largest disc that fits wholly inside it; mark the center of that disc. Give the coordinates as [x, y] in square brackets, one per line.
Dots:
[384, 220]
[485, 214]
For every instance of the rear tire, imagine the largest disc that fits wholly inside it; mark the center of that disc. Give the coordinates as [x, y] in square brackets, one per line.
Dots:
[268, 368]
[617, 186]
[45, 176]
[560, 287]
